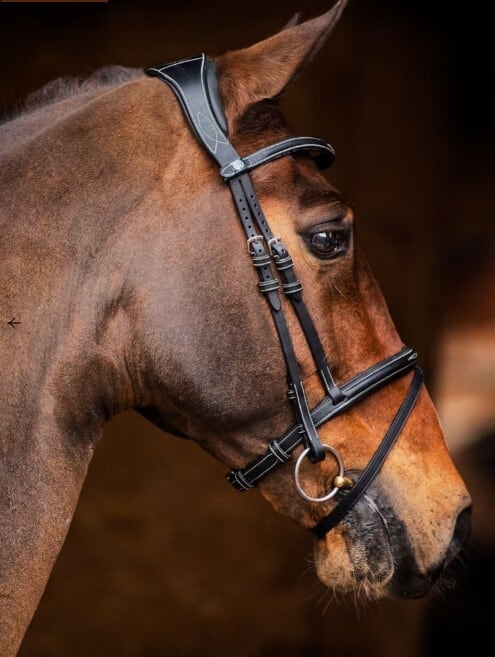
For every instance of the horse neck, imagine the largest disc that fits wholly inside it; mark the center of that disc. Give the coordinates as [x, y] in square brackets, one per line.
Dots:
[73, 188]
[62, 218]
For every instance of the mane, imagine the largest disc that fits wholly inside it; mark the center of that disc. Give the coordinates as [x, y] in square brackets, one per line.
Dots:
[69, 86]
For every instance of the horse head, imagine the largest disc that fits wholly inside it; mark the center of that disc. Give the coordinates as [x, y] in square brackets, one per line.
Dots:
[213, 355]
[131, 278]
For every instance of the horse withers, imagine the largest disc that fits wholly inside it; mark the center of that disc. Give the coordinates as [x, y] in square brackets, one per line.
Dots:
[129, 265]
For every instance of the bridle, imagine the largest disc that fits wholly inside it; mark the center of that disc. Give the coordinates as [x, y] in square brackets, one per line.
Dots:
[194, 82]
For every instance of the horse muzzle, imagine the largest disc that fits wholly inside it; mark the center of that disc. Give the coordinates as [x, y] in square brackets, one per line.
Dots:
[387, 557]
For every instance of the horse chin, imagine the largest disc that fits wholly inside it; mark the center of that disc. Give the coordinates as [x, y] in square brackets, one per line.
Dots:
[359, 557]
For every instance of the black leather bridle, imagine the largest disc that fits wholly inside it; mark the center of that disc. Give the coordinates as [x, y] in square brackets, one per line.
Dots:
[194, 82]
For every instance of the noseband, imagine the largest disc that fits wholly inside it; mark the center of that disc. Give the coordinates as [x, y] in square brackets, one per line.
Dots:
[194, 82]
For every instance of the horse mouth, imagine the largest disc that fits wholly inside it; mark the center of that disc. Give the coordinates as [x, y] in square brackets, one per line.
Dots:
[369, 544]
[380, 557]
[368, 566]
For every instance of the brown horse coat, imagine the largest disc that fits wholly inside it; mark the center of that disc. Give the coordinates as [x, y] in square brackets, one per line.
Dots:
[121, 258]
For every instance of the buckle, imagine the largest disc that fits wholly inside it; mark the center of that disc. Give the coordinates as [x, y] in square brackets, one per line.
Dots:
[252, 240]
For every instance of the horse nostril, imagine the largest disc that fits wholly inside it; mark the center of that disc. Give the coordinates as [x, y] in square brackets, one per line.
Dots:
[461, 533]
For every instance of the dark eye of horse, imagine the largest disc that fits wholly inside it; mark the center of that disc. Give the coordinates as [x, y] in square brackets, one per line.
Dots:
[329, 244]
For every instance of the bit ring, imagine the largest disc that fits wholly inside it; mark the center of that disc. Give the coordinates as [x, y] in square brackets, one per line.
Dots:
[297, 467]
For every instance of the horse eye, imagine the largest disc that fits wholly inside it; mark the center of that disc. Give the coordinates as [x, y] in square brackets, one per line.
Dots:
[329, 244]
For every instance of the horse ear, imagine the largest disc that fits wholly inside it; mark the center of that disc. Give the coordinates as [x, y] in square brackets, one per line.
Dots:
[264, 70]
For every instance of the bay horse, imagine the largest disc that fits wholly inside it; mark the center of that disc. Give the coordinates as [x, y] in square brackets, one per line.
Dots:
[127, 282]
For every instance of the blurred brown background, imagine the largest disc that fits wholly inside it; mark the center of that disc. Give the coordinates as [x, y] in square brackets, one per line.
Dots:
[162, 558]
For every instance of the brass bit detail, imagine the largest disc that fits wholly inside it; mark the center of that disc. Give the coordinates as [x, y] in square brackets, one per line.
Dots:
[343, 482]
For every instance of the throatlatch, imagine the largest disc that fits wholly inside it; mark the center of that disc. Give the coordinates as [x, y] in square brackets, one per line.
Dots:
[194, 82]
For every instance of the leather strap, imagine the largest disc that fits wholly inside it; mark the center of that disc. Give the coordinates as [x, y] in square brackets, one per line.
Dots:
[373, 468]
[292, 287]
[325, 155]
[355, 390]
[250, 213]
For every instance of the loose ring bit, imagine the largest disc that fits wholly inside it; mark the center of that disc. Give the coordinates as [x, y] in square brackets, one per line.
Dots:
[339, 478]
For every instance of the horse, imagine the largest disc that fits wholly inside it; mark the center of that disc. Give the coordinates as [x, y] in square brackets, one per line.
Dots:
[127, 282]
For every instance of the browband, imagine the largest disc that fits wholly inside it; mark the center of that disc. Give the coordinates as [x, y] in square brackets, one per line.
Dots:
[325, 155]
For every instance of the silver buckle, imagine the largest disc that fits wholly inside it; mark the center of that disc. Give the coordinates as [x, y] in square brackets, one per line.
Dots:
[251, 240]
[273, 240]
